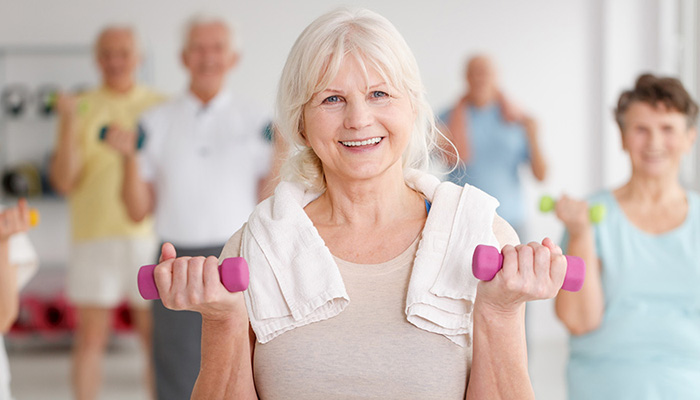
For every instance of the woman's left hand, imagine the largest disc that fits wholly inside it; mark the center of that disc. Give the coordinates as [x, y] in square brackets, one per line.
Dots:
[530, 272]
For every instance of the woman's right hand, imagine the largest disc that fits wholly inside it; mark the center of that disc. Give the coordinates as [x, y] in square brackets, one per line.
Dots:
[193, 283]
[66, 105]
[573, 213]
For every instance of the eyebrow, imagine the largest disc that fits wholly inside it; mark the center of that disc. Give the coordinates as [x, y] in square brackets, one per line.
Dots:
[332, 90]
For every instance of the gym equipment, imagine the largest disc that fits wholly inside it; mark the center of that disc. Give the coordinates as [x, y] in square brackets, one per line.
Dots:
[49, 98]
[596, 212]
[140, 139]
[14, 99]
[487, 261]
[46, 98]
[34, 217]
[22, 180]
[233, 272]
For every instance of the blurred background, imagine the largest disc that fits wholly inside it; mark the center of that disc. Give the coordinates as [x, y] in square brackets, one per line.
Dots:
[563, 62]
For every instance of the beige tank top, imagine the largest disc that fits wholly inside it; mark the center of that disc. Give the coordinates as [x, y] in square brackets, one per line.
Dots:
[368, 351]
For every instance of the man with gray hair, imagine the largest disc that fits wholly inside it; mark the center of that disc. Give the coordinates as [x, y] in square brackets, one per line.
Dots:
[107, 246]
[207, 137]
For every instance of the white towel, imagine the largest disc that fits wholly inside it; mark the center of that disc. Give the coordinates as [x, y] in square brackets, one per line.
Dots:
[295, 281]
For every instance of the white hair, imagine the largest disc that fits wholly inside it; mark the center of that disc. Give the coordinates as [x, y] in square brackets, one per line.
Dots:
[210, 19]
[313, 63]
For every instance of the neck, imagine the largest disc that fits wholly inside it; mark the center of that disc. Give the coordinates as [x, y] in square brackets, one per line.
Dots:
[653, 190]
[119, 86]
[205, 95]
[481, 100]
[372, 202]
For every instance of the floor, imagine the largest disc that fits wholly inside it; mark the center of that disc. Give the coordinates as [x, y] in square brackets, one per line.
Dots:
[41, 372]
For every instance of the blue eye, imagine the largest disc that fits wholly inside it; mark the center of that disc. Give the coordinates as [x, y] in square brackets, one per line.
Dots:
[331, 99]
[379, 94]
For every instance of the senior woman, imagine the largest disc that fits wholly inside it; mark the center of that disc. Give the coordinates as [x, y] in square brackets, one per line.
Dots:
[360, 282]
[636, 322]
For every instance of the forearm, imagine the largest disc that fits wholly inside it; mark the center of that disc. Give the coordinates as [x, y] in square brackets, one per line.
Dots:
[538, 163]
[499, 361]
[582, 311]
[226, 370]
[138, 195]
[9, 296]
[65, 165]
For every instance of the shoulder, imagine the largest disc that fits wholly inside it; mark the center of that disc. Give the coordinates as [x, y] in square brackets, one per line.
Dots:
[165, 109]
[505, 234]
[233, 245]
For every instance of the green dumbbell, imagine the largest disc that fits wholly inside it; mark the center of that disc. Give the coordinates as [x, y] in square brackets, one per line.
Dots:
[49, 101]
[596, 212]
[140, 139]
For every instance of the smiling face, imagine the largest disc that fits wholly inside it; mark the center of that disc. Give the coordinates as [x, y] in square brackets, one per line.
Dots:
[656, 139]
[359, 126]
[117, 57]
[208, 57]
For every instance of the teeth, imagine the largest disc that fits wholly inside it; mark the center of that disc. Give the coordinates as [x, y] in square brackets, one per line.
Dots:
[363, 142]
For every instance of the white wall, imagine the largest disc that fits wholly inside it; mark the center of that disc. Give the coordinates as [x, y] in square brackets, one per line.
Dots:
[545, 49]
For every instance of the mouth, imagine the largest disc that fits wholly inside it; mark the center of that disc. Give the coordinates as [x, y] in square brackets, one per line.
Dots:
[362, 143]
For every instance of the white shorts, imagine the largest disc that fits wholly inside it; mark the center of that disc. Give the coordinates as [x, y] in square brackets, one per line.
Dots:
[102, 273]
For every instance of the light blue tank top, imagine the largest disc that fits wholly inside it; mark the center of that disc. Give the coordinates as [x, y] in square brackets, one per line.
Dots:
[648, 345]
[499, 148]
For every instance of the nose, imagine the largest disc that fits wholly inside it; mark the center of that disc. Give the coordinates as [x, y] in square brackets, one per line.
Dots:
[358, 115]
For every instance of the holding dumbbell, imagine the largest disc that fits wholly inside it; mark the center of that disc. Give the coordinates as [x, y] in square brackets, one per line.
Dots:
[140, 135]
[233, 272]
[487, 261]
[596, 212]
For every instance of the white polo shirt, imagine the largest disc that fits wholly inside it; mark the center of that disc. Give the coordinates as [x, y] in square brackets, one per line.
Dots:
[205, 163]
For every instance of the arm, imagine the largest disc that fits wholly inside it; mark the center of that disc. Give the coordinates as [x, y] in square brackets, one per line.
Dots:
[138, 195]
[12, 221]
[582, 311]
[499, 363]
[537, 161]
[66, 161]
[226, 369]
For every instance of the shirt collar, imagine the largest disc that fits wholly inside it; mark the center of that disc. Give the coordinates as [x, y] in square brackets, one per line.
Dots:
[219, 101]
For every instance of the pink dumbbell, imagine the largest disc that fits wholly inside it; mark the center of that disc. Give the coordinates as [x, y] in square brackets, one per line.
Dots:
[233, 272]
[487, 261]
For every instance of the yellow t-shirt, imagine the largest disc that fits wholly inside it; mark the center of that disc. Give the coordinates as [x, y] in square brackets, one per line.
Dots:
[96, 206]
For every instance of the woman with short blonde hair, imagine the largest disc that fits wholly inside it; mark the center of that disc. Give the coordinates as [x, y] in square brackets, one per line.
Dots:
[360, 273]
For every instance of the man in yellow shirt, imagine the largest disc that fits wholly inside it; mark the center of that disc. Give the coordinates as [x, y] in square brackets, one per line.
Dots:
[107, 246]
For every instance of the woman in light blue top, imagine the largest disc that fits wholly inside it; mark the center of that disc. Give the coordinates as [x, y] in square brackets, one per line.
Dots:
[635, 325]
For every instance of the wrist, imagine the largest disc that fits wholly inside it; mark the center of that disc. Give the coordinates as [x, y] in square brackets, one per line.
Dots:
[498, 312]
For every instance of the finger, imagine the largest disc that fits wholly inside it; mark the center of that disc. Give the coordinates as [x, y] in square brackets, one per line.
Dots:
[553, 247]
[195, 283]
[526, 260]
[23, 208]
[557, 270]
[542, 261]
[211, 278]
[163, 275]
[510, 262]
[167, 252]
[178, 288]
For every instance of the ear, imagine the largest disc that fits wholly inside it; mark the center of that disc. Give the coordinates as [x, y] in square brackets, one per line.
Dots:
[183, 58]
[234, 59]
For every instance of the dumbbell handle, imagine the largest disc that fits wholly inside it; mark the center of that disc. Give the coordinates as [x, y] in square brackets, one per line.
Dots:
[233, 272]
[596, 212]
[487, 261]
[140, 137]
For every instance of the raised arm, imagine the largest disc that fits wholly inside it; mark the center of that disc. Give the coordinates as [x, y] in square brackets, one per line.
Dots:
[537, 160]
[138, 195]
[12, 221]
[226, 370]
[66, 161]
[582, 311]
[499, 362]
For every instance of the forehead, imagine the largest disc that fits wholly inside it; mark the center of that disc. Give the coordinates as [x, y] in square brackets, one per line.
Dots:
[351, 68]
[640, 111]
[116, 38]
[214, 31]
